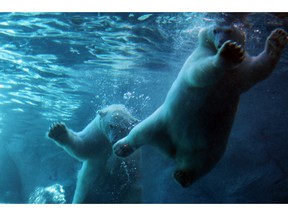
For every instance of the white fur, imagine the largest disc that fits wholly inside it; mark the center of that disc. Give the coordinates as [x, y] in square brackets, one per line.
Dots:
[193, 124]
[102, 178]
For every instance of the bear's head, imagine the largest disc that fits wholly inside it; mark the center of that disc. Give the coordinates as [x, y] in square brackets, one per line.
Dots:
[116, 122]
[215, 36]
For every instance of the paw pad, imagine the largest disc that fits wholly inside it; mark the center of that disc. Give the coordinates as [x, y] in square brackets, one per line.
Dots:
[184, 178]
[57, 131]
[122, 150]
[232, 52]
[276, 42]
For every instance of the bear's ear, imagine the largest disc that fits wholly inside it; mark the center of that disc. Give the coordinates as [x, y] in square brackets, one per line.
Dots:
[101, 113]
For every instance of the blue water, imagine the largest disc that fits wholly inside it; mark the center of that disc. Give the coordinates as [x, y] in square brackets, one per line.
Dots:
[66, 66]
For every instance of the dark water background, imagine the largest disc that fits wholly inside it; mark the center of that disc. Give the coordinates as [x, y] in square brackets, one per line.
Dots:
[66, 66]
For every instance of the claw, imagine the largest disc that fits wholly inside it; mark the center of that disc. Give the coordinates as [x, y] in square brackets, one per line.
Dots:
[237, 48]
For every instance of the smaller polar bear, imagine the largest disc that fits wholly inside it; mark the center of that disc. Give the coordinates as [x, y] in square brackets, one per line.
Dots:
[103, 177]
[193, 124]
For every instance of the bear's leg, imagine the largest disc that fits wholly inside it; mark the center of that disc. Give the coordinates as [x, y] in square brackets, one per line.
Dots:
[184, 174]
[122, 148]
[190, 165]
[258, 68]
[209, 70]
[81, 186]
[134, 140]
[276, 42]
[69, 140]
[141, 134]
[90, 176]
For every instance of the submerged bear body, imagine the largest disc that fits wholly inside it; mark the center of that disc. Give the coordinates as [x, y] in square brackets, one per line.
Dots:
[193, 124]
[103, 178]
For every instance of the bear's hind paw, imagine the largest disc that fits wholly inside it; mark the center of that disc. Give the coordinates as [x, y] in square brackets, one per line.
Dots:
[184, 178]
[122, 150]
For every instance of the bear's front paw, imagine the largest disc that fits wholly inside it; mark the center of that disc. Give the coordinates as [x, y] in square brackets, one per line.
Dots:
[232, 53]
[122, 149]
[58, 132]
[276, 42]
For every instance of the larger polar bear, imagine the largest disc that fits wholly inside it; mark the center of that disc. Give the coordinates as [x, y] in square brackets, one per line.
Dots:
[192, 126]
[103, 178]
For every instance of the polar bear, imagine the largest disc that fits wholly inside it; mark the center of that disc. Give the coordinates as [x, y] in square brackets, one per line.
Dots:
[193, 124]
[103, 177]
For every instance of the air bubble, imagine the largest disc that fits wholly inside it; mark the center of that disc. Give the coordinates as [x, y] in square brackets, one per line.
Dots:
[127, 95]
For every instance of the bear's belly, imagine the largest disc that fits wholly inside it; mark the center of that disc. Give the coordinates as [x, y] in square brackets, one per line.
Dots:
[204, 132]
